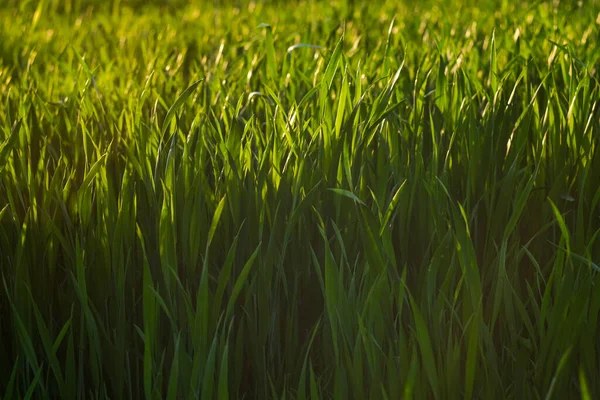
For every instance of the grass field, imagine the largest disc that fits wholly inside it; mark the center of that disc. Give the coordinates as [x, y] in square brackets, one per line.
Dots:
[300, 200]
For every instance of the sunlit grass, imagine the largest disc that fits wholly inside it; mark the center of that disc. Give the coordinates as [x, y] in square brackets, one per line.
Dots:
[299, 201]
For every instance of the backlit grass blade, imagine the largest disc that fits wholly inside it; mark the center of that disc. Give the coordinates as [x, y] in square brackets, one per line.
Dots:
[333, 64]
[178, 104]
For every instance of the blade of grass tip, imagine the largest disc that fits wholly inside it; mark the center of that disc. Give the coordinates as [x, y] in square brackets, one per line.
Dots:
[224, 274]
[39, 10]
[177, 104]
[7, 146]
[202, 361]
[61, 335]
[201, 319]
[174, 376]
[386, 60]
[223, 391]
[568, 52]
[348, 194]
[215, 222]
[84, 64]
[49, 348]
[493, 65]
[4, 210]
[519, 204]
[391, 207]
[375, 256]
[209, 372]
[303, 46]
[94, 170]
[270, 50]
[342, 104]
[333, 64]
[562, 225]
[162, 304]
[239, 283]
[34, 383]
[317, 268]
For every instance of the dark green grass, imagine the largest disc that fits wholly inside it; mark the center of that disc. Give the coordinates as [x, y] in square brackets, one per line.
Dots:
[299, 201]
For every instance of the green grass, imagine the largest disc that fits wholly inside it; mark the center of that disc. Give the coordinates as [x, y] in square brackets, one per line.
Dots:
[300, 201]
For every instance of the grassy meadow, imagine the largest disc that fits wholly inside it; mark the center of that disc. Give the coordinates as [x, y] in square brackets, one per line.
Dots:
[299, 200]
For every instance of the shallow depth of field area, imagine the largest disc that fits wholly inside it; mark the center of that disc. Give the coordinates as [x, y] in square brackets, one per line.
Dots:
[299, 200]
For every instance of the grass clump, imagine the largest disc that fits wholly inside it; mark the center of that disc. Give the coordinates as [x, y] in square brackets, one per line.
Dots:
[308, 200]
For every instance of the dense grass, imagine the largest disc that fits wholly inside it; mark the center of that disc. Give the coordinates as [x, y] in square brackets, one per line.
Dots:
[195, 204]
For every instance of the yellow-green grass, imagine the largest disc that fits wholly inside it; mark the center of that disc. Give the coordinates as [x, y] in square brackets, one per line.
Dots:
[299, 200]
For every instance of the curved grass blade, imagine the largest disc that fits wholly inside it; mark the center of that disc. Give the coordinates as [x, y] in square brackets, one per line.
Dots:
[178, 103]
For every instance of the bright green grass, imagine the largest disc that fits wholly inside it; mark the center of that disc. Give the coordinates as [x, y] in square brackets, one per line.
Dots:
[195, 204]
